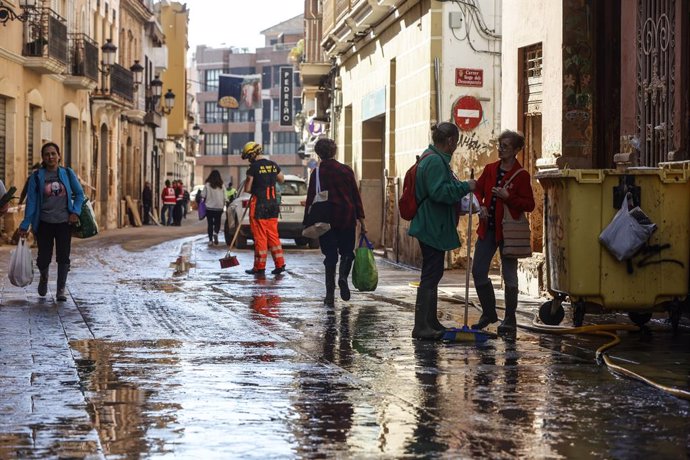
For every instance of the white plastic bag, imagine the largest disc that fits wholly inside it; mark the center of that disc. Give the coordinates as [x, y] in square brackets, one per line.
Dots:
[465, 204]
[628, 231]
[21, 271]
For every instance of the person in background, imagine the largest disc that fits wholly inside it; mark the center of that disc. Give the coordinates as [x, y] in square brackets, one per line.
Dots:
[346, 209]
[169, 200]
[230, 193]
[53, 203]
[438, 193]
[492, 194]
[147, 202]
[214, 196]
[185, 200]
[6, 206]
[179, 199]
[262, 176]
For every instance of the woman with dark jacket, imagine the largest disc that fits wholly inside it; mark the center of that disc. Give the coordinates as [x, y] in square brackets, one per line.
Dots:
[502, 182]
[438, 192]
[53, 203]
[346, 211]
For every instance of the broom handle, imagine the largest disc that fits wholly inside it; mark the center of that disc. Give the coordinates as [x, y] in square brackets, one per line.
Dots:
[237, 230]
[469, 249]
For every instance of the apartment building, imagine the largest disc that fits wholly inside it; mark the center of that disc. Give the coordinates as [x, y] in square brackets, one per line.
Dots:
[227, 130]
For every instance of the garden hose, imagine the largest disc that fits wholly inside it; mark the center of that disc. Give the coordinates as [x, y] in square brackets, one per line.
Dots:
[601, 356]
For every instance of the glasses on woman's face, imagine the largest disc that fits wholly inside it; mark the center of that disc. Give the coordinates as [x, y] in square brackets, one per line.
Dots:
[503, 146]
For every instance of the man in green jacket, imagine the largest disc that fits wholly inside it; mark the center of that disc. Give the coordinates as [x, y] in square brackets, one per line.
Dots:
[438, 193]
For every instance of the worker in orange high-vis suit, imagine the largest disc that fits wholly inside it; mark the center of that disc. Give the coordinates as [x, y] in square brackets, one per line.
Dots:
[264, 208]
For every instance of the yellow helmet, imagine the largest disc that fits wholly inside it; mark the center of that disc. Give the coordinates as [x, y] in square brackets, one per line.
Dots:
[251, 150]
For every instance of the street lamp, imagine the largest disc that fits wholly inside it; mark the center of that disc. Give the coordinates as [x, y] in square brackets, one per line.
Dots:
[138, 73]
[8, 14]
[169, 102]
[108, 51]
[156, 88]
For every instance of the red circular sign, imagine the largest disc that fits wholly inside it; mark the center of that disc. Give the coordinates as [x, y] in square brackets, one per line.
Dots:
[467, 113]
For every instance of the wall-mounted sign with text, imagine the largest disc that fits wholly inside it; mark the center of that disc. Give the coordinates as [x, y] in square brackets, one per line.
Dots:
[469, 77]
[286, 96]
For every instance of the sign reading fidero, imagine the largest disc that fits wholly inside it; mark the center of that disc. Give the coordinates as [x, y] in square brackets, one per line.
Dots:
[469, 77]
[467, 113]
[286, 96]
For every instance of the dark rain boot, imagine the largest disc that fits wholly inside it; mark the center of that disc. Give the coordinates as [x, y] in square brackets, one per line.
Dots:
[509, 323]
[433, 313]
[343, 273]
[423, 330]
[329, 300]
[60, 295]
[43, 282]
[487, 299]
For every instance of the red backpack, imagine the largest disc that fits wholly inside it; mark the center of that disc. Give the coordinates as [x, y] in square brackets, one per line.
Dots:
[407, 204]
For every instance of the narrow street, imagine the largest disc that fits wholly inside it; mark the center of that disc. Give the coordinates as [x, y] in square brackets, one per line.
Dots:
[149, 358]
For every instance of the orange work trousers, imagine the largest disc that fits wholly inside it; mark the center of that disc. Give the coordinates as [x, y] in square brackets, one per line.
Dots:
[265, 232]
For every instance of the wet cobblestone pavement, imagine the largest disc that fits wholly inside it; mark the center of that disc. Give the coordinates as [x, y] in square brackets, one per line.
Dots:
[152, 360]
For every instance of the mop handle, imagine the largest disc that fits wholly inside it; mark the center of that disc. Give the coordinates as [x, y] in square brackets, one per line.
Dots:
[237, 230]
[469, 249]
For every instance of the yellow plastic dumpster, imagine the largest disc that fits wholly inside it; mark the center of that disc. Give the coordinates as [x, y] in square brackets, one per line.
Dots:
[579, 204]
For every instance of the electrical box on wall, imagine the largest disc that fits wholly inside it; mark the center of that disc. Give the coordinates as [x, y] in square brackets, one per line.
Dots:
[455, 20]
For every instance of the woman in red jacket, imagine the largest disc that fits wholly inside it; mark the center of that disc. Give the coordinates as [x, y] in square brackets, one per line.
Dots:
[493, 193]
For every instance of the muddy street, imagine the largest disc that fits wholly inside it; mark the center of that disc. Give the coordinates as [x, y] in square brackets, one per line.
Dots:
[160, 353]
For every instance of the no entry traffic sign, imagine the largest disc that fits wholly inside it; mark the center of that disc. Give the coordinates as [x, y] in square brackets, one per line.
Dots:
[467, 113]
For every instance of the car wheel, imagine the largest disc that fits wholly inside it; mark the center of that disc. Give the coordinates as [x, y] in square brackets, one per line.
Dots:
[227, 232]
[241, 241]
[314, 243]
[301, 241]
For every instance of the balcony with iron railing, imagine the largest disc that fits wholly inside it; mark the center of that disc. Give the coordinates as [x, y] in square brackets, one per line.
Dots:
[45, 42]
[83, 66]
[122, 83]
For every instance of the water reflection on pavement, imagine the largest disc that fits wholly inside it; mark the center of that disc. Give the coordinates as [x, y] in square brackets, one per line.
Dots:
[218, 364]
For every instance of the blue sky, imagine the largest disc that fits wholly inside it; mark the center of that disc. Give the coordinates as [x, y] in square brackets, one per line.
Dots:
[236, 22]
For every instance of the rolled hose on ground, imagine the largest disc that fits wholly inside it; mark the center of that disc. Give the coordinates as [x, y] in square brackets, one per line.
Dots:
[601, 356]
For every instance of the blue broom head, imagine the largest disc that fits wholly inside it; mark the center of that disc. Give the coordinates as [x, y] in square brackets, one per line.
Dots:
[465, 334]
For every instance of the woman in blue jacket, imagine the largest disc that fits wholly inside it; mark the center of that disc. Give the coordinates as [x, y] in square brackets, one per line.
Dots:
[53, 203]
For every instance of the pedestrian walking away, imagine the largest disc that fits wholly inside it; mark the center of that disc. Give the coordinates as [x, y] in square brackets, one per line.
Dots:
[438, 193]
[502, 182]
[214, 196]
[53, 203]
[169, 200]
[262, 176]
[147, 202]
[185, 200]
[346, 210]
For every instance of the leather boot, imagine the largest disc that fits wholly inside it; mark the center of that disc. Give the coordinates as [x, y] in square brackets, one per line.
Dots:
[43, 282]
[344, 272]
[329, 300]
[433, 313]
[487, 299]
[61, 282]
[422, 329]
[509, 323]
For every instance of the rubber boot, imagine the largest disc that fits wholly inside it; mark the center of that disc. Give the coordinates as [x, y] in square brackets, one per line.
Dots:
[433, 313]
[43, 282]
[423, 330]
[329, 300]
[509, 324]
[343, 273]
[61, 282]
[487, 299]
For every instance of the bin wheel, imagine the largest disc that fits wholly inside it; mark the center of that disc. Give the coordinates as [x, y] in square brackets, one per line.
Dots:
[640, 319]
[578, 314]
[674, 313]
[550, 317]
